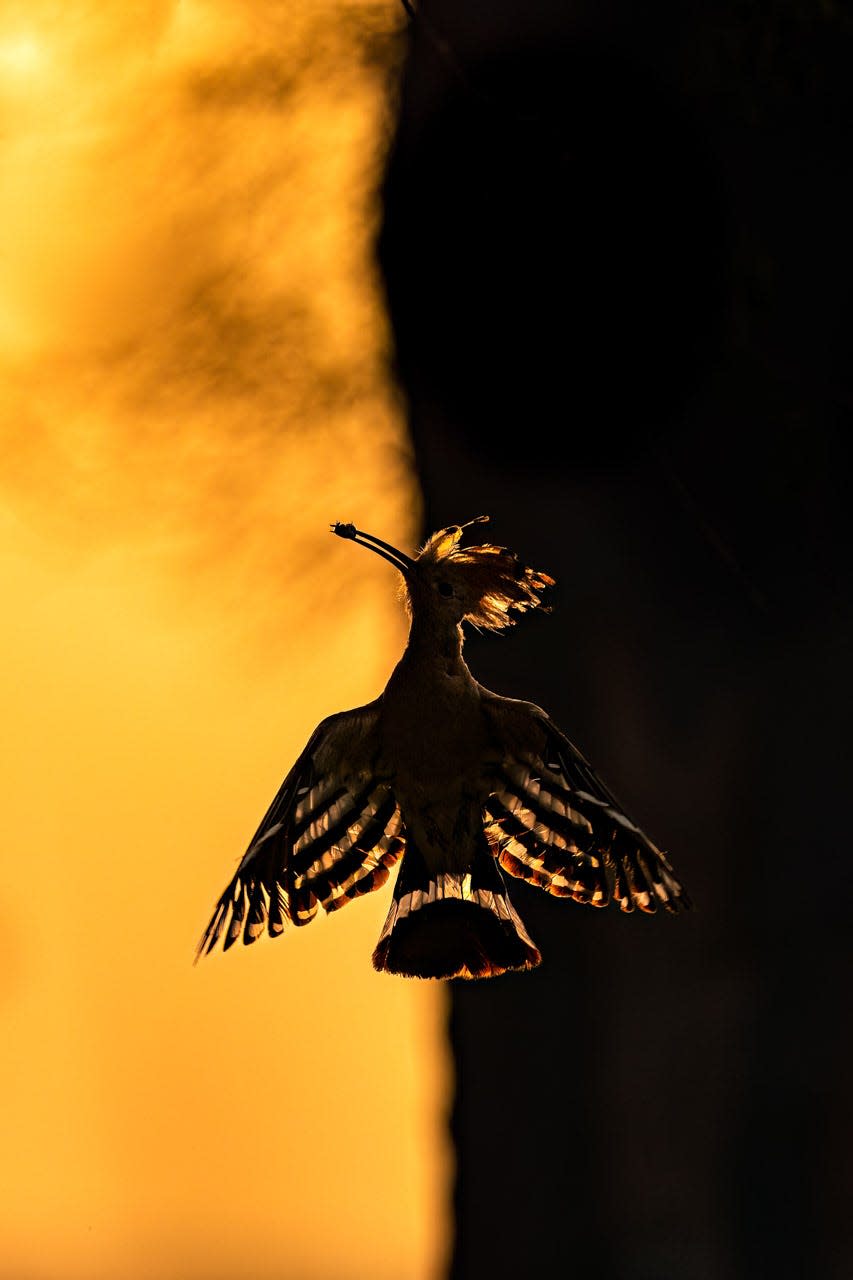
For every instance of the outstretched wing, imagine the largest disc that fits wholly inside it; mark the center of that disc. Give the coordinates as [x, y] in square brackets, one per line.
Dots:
[332, 833]
[553, 822]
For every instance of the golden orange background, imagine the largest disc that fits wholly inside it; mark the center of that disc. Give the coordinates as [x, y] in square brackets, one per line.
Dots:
[193, 383]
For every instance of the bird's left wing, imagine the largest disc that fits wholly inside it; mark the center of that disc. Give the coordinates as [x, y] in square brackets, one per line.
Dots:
[552, 821]
[332, 833]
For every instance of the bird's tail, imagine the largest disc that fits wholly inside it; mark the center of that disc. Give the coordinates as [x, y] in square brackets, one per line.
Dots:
[452, 924]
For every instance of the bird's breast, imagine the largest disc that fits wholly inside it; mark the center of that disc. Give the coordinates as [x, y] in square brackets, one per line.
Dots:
[438, 749]
[434, 727]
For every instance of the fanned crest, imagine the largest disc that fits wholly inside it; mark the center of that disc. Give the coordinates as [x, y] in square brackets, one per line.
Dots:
[494, 580]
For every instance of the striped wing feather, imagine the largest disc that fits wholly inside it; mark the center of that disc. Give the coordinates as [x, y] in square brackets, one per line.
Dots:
[332, 833]
[552, 821]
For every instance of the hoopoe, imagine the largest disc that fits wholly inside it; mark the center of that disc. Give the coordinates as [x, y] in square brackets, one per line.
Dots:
[452, 779]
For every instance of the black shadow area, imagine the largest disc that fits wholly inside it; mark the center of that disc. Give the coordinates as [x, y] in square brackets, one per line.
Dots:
[615, 252]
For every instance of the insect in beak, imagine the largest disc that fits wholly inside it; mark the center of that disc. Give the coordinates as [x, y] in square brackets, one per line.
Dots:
[398, 558]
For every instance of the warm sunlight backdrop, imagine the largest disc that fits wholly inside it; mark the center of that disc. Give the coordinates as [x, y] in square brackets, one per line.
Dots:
[193, 383]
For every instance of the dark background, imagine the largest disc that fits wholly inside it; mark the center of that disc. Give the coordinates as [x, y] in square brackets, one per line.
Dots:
[615, 253]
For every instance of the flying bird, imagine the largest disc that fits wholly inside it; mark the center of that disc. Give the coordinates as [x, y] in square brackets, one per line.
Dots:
[452, 781]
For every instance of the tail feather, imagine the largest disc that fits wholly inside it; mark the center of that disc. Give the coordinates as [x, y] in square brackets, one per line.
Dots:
[452, 924]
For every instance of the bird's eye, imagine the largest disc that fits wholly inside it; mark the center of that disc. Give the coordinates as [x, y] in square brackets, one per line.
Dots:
[445, 588]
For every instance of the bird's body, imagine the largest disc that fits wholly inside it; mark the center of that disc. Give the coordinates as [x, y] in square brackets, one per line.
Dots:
[455, 780]
[439, 769]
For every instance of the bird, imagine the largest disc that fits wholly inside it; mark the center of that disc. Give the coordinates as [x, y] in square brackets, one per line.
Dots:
[458, 785]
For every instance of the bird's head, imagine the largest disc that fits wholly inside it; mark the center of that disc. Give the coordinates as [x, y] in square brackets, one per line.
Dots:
[484, 585]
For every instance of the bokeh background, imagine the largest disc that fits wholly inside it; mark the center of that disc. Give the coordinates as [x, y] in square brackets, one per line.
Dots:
[581, 267]
[193, 384]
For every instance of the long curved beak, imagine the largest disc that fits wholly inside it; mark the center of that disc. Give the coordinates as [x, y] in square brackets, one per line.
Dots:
[398, 558]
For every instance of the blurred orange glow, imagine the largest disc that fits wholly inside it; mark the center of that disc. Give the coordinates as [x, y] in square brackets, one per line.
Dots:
[193, 383]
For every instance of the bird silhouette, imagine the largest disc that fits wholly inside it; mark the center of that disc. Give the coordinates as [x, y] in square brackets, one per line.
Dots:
[459, 783]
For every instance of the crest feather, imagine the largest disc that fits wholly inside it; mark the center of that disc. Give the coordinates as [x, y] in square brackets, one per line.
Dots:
[498, 584]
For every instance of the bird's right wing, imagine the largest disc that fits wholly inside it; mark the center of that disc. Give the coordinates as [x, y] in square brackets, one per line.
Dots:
[332, 833]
